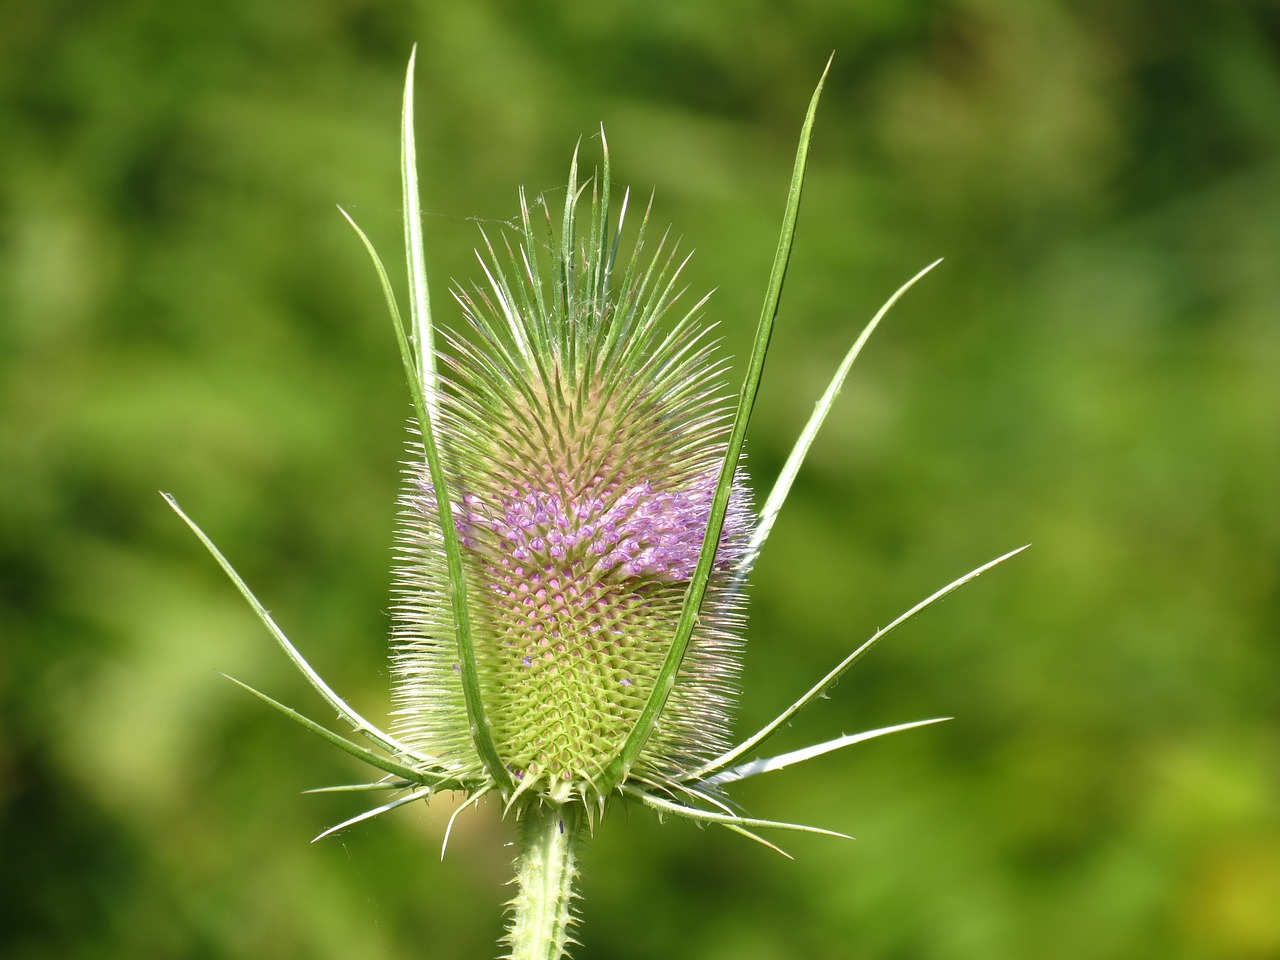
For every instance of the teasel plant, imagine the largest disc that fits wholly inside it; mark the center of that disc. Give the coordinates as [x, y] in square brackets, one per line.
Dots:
[576, 530]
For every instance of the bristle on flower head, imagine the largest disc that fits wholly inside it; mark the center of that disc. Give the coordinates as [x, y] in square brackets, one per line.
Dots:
[582, 431]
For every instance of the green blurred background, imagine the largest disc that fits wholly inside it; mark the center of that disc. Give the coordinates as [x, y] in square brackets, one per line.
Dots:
[1094, 369]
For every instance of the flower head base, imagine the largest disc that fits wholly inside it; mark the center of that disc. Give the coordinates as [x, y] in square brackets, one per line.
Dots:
[581, 428]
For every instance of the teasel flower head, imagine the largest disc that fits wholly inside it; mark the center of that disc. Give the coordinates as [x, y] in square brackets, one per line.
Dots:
[576, 531]
[581, 428]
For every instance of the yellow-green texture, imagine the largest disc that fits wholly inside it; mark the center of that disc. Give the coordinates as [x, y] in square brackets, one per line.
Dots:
[1094, 370]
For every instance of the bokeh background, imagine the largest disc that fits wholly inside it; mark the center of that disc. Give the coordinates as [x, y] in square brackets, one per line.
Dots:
[1094, 369]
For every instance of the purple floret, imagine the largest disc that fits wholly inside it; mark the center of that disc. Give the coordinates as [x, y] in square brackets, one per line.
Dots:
[636, 531]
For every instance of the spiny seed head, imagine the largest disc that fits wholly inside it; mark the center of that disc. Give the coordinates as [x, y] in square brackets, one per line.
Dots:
[582, 430]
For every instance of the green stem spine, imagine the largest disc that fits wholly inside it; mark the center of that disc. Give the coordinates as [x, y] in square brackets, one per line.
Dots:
[545, 872]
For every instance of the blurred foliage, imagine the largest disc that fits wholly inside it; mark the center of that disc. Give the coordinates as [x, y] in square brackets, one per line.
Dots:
[1096, 369]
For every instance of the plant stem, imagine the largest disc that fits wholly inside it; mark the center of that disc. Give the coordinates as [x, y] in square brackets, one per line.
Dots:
[545, 872]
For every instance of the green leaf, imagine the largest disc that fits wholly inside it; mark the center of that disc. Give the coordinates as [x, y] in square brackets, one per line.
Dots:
[620, 767]
[385, 784]
[782, 486]
[664, 806]
[412, 374]
[727, 759]
[419, 794]
[384, 740]
[765, 765]
[360, 753]
[424, 341]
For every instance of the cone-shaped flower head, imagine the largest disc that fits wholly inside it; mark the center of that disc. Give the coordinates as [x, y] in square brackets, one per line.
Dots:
[581, 427]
